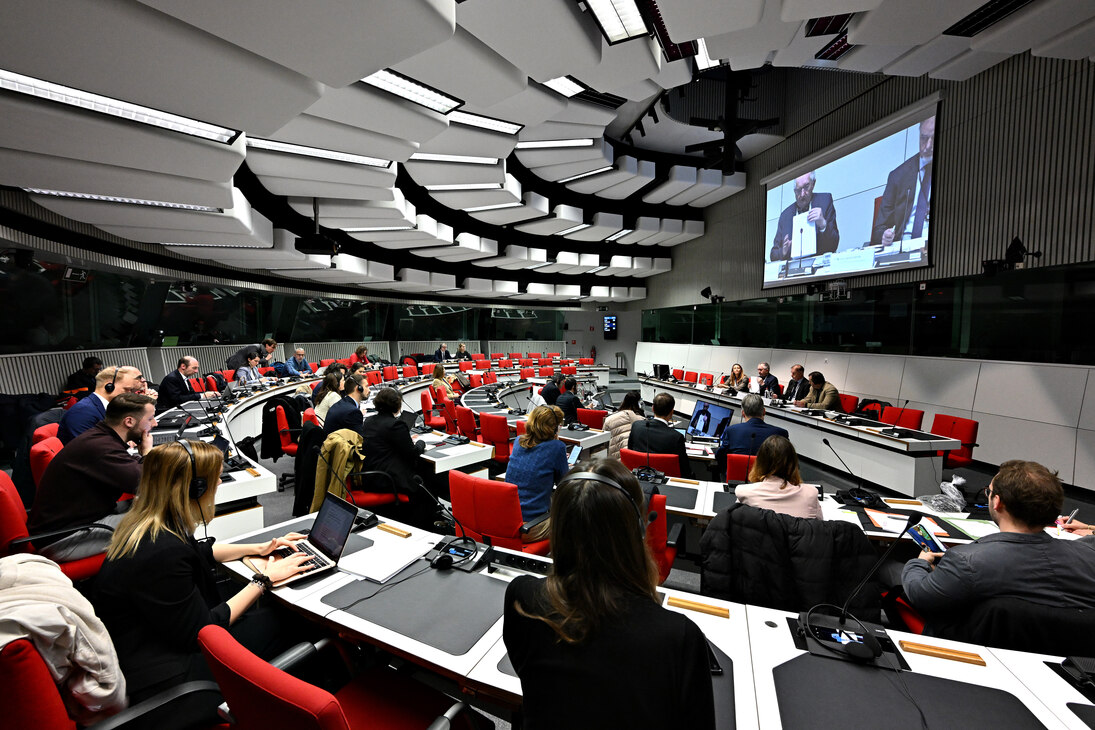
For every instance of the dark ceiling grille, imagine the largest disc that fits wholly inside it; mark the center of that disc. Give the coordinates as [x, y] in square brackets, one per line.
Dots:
[984, 17]
[609, 101]
[827, 25]
[837, 48]
[653, 17]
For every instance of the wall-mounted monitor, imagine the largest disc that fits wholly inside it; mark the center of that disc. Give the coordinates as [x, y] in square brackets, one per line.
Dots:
[610, 326]
[709, 420]
[864, 206]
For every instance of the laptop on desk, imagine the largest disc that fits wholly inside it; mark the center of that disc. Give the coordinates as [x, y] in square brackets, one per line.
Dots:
[326, 540]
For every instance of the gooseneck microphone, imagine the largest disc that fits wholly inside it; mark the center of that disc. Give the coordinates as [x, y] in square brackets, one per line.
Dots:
[859, 480]
[894, 430]
[914, 518]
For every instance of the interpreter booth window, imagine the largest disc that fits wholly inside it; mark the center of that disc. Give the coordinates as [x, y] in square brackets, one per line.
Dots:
[340, 320]
[525, 324]
[870, 320]
[751, 323]
[1026, 316]
[705, 325]
[436, 322]
[56, 306]
[672, 324]
[201, 315]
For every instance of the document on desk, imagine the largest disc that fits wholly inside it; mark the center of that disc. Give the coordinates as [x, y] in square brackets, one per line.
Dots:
[454, 450]
[803, 237]
[896, 523]
[388, 556]
[974, 528]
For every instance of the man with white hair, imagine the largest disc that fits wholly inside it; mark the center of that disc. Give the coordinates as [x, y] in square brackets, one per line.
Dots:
[820, 213]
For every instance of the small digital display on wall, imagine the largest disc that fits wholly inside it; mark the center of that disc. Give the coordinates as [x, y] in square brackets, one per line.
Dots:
[610, 326]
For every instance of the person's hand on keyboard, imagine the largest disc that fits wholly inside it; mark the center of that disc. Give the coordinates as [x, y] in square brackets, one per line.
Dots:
[286, 543]
[278, 569]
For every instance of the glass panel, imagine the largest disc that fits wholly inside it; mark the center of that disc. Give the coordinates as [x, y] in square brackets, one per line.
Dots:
[436, 322]
[325, 319]
[200, 315]
[525, 324]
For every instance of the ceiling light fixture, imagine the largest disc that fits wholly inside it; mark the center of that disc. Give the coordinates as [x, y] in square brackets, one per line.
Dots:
[574, 229]
[463, 159]
[539, 265]
[377, 229]
[620, 234]
[464, 186]
[412, 90]
[703, 58]
[591, 173]
[595, 270]
[619, 20]
[565, 85]
[114, 107]
[127, 201]
[551, 143]
[499, 206]
[318, 152]
[489, 123]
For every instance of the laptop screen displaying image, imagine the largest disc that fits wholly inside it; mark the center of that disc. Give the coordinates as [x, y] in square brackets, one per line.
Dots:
[708, 420]
[332, 526]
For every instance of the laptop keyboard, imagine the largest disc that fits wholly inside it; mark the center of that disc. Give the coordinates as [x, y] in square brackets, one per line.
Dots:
[316, 560]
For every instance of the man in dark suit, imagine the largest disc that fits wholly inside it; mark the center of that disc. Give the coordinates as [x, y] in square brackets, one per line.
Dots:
[766, 382]
[747, 436]
[568, 402]
[442, 354]
[819, 212]
[550, 392]
[265, 349]
[798, 386]
[346, 413]
[175, 388]
[111, 382]
[905, 202]
[657, 435]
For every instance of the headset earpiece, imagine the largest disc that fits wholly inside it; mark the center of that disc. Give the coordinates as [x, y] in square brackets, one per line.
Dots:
[198, 485]
[601, 479]
[109, 387]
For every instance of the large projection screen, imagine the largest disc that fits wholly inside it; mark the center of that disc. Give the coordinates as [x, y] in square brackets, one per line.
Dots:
[862, 207]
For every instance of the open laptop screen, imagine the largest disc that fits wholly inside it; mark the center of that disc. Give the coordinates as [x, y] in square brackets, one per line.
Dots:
[332, 526]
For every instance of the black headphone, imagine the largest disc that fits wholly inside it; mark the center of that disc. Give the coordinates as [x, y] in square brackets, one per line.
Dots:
[601, 479]
[109, 387]
[198, 485]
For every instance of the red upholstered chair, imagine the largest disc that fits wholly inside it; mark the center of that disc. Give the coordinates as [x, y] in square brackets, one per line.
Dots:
[326, 361]
[592, 418]
[478, 356]
[691, 377]
[374, 489]
[566, 361]
[527, 373]
[465, 421]
[211, 384]
[546, 372]
[668, 464]
[543, 361]
[519, 426]
[586, 361]
[432, 413]
[903, 418]
[962, 429]
[534, 355]
[347, 361]
[374, 377]
[554, 354]
[288, 443]
[466, 365]
[44, 432]
[491, 508]
[505, 363]
[497, 355]
[678, 374]
[476, 379]
[410, 371]
[408, 360]
[197, 384]
[569, 370]
[391, 372]
[482, 364]
[448, 410]
[738, 466]
[490, 376]
[516, 355]
[261, 696]
[41, 454]
[268, 372]
[229, 375]
[494, 430]
[527, 362]
[849, 403]
[707, 379]
[309, 416]
[662, 541]
[875, 411]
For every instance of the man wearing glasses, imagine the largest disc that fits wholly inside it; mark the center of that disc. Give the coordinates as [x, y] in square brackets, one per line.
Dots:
[109, 383]
[820, 214]
[903, 214]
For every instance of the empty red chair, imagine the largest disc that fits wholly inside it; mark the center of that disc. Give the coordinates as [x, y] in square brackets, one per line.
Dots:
[955, 427]
[309, 416]
[476, 379]
[373, 377]
[662, 541]
[515, 356]
[738, 466]
[196, 384]
[668, 464]
[431, 413]
[534, 355]
[268, 372]
[554, 354]
[41, 454]
[565, 361]
[543, 361]
[478, 356]
[485, 507]
[374, 489]
[347, 361]
[490, 377]
[526, 362]
[391, 372]
[875, 411]
[691, 377]
[482, 364]
[547, 372]
[903, 417]
[288, 444]
[465, 421]
[519, 426]
[592, 418]
[410, 371]
[494, 430]
[707, 379]
[677, 373]
[527, 373]
[44, 432]
[585, 361]
[326, 361]
[229, 375]
[505, 363]
[211, 384]
[449, 412]
[849, 403]
[569, 370]
[466, 365]
[497, 355]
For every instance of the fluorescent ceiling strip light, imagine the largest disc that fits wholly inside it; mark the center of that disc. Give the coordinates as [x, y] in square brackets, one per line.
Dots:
[216, 245]
[113, 107]
[549, 143]
[579, 227]
[465, 186]
[377, 229]
[297, 149]
[499, 206]
[620, 234]
[619, 19]
[538, 265]
[703, 58]
[411, 90]
[442, 291]
[465, 159]
[476, 120]
[565, 85]
[595, 270]
[127, 201]
[591, 173]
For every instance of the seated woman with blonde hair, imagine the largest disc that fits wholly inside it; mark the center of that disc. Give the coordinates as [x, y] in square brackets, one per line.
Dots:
[537, 462]
[442, 382]
[775, 483]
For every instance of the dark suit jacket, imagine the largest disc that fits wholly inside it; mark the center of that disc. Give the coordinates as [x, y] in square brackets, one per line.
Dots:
[827, 240]
[569, 404]
[239, 359]
[174, 391]
[796, 390]
[746, 437]
[897, 199]
[550, 393]
[654, 437]
[439, 356]
[344, 414]
[82, 416]
[388, 447]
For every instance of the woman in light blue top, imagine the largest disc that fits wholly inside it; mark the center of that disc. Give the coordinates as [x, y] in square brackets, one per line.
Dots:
[537, 462]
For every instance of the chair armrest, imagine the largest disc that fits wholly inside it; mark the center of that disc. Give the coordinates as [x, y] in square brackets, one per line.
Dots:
[525, 528]
[444, 722]
[137, 712]
[295, 654]
[674, 535]
[58, 533]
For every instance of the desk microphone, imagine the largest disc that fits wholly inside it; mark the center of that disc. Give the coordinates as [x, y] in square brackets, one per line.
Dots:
[859, 493]
[894, 430]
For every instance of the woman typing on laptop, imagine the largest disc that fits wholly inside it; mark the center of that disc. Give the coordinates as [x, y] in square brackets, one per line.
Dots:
[157, 587]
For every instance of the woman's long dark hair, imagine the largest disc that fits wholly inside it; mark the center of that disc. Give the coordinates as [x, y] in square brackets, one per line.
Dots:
[632, 402]
[332, 383]
[598, 545]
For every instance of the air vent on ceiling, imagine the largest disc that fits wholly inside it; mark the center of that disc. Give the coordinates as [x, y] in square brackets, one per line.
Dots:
[609, 101]
[835, 49]
[827, 25]
[984, 17]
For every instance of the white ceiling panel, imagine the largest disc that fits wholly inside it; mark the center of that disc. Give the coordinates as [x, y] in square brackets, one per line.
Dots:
[532, 106]
[460, 139]
[626, 168]
[543, 157]
[871, 59]
[466, 68]
[680, 178]
[291, 186]
[544, 39]
[343, 208]
[510, 256]
[345, 269]
[368, 107]
[234, 219]
[312, 131]
[919, 22]
[603, 226]
[688, 20]
[560, 130]
[600, 294]
[616, 265]
[770, 34]
[966, 66]
[562, 218]
[460, 199]
[645, 227]
[1032, 26]
[730, 184]
[282, 252]
[411, 280]
[692, 229]
[474, 287]
[448, 173]
[643, 177]
[670, 228]
[673, 74]
[395, 31]
[190, 235]
[919, 61]
[622, 64]
[570, 169]
[152, 60]
[749, 61]
[564, 261]
[805, 9]
[533, 205]
[582, 112]
[280, 164]
[1074, 44]
[310, 261]
[706, 181]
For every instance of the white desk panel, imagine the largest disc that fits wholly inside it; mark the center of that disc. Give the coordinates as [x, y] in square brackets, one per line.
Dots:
[1046, 393]
[1002, 438]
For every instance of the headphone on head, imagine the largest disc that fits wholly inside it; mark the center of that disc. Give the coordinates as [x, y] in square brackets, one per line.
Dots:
[109, 387]
[608, 481]
[198, 485]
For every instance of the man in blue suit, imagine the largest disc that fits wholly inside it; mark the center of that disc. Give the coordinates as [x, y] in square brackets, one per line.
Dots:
[747, 436]
[819, 212]
[85, 413]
